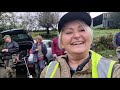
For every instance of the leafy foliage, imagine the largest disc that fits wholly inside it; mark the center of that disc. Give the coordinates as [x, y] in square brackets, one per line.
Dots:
[115, 18]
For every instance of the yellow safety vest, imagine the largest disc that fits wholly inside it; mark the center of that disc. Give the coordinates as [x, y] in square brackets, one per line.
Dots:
[101, 68]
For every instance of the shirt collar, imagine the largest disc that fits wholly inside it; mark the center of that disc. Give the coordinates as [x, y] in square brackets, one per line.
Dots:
[85, 66]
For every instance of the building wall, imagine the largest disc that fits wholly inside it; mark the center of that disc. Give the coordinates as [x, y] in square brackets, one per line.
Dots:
[106, 20]
[103, 20]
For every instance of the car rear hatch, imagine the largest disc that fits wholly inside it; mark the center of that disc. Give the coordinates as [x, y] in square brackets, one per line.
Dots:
[23, 39]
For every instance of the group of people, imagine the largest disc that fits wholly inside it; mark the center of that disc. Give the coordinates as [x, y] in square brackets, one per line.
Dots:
[39, 52]
[72, 56]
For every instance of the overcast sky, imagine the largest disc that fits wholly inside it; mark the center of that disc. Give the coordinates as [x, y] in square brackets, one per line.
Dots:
[93, 14]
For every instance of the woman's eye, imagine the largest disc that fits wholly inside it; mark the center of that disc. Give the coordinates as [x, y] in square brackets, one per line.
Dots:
[68, 32]
[82, 30]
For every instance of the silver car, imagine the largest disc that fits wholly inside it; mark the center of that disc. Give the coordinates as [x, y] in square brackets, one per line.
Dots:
[49, 51]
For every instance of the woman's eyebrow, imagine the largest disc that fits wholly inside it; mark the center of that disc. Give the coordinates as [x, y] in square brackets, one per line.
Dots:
[68, 29]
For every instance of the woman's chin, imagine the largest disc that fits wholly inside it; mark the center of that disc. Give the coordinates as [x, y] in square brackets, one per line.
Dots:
[79, 51]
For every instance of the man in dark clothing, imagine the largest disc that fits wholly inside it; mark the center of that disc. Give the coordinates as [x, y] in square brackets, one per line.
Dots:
[9, 51]
[116, 43]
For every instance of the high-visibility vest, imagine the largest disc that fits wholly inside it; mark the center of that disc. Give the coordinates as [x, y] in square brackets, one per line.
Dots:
[101, 68]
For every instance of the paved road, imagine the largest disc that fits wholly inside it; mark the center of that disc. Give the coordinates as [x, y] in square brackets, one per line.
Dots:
[2, 71]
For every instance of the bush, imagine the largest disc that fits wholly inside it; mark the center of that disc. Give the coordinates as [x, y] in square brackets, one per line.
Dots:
[52, 34]
[107, 41]
[107, 53]
[48, 36]
[104, 46]
[103, 43]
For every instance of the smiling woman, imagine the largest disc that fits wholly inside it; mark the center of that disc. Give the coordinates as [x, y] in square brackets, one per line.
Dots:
[75, 36]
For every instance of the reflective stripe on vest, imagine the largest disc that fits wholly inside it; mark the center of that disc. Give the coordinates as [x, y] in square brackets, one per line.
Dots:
[52, 67]
[101, 68]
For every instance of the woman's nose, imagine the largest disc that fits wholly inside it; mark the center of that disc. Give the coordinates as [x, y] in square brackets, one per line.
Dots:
[76, 35]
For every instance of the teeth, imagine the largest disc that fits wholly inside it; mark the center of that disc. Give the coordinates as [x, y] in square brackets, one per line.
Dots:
[76, 43]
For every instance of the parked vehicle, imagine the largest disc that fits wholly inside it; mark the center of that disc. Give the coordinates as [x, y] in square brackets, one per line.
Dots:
[49, 51]
[25, 43]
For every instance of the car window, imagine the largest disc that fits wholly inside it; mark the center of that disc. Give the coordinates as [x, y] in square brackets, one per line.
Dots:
[1, 40]
[19, 37]
[22, 36]
[49, 44]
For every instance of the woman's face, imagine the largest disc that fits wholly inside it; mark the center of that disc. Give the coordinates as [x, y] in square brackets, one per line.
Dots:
[38, 40]
[75, 39]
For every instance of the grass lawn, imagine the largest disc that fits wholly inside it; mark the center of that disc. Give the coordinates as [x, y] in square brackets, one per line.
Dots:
[98, 33]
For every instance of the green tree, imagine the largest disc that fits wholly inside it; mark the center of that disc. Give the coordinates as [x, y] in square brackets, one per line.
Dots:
[8, 20]
[115, 18]
[47, 19]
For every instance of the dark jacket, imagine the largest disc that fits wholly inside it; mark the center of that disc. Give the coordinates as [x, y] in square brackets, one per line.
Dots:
[116, 40]
[12, 47]
[44, 51]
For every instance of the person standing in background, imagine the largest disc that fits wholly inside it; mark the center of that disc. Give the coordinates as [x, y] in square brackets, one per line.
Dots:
[39, 50]
[116, 44]
[56, 51]
[10, 49]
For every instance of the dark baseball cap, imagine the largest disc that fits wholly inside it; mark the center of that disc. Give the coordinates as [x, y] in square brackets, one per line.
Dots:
[70, 16]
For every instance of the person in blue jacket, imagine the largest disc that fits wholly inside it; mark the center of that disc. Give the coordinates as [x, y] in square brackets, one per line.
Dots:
[39, 50]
